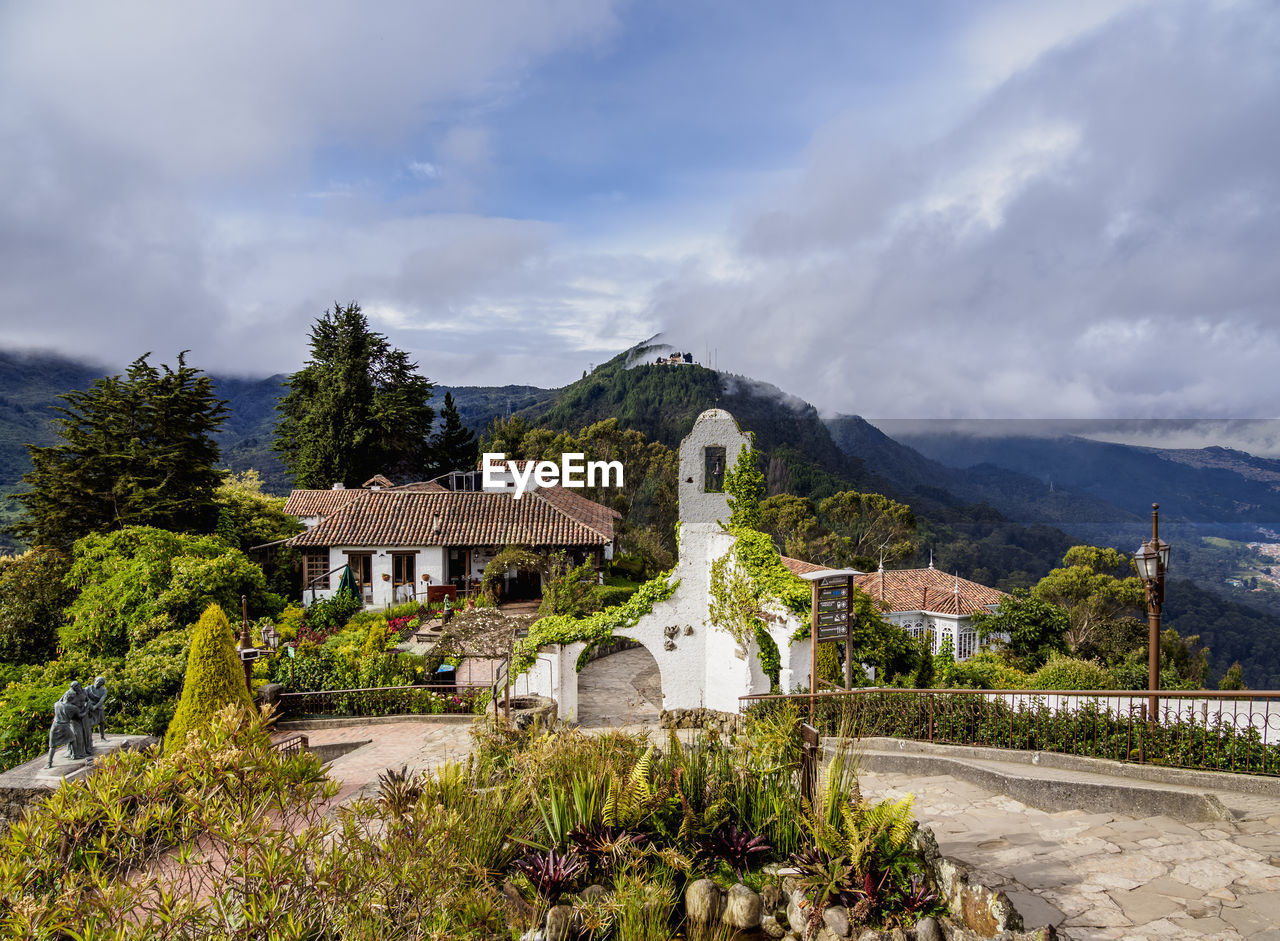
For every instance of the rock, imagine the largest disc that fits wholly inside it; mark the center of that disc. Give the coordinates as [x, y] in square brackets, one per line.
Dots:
[836, 918]
[790, 885]
[592, 892]
[869, 935]
[797, 916]
[559, 922]
[742, 908]
[928, 929]
[824, 934]
[769, 925]
[897, 934]
[518, 910]
[702, 902]
[771, 897]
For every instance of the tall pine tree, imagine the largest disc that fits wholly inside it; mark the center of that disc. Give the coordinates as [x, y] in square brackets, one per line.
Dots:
[138, 449]
[455, 445]
[356, 409]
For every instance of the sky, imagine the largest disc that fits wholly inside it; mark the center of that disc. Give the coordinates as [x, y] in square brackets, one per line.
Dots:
[925, 210]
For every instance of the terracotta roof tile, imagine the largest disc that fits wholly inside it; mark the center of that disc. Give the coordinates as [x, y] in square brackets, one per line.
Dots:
[404, 518]
[304, 503]
[422, 486]
[594, 515]
[927, 590]
[799, 566]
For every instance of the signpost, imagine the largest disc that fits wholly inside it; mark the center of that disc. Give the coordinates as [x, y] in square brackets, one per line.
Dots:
[832, 621]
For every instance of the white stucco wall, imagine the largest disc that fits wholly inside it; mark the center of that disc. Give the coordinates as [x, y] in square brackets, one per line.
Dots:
[701, 666]
[429, 560]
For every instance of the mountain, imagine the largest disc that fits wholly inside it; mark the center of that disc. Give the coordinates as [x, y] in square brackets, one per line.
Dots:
[1210, 486]
[662, 401]
[1017, 495]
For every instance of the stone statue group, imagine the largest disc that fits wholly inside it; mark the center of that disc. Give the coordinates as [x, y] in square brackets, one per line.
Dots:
[75, 716]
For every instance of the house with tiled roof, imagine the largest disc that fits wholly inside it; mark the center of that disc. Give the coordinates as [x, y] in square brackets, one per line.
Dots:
[400, 541]
[929, 603]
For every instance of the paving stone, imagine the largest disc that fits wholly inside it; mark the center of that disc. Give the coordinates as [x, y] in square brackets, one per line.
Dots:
[1246, 921]
[1142, 905]
[1100, 915]
[1204, 874]
[1203, 927]
[1035, 911]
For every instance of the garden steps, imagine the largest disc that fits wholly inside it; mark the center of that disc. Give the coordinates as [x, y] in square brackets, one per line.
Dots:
[1061, 782]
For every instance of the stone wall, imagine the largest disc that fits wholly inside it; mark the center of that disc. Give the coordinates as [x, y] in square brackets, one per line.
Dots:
[15, 800]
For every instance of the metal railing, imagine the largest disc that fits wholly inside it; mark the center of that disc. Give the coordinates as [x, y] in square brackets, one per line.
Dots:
[1198, 729]
[294, 744]
[380, 701]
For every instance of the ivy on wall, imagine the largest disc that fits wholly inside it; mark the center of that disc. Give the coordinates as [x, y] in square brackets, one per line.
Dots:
[594, 629]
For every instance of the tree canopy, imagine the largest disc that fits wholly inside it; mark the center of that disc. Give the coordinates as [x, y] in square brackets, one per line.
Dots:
[1100, 595]
[455, 445]
[356, 409]
[138, 450]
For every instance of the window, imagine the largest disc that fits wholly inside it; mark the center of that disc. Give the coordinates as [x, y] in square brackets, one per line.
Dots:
[713, 476]
[362, 567]
[315, 563]
[402, 568]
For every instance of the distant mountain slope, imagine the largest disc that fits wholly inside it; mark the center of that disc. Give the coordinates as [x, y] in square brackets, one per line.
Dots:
[1214, 485]
[480, 405]
[663, 402]
[1018, 495]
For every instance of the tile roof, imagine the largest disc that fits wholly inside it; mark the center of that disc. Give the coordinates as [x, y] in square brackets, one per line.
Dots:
[800, 567]
[467, 518]
[423, 486]
[927, 590]
[304, 503]
[591, 514]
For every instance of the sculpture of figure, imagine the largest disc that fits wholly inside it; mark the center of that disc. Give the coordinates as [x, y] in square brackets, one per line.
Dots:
[67, 728]
[80, 699]
[95, 696]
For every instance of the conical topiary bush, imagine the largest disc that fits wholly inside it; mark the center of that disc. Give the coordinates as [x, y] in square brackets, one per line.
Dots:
[215, 677]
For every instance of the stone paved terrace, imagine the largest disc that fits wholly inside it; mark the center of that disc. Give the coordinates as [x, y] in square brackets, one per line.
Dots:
[620, 690]
[1108, 876]
[420, 745]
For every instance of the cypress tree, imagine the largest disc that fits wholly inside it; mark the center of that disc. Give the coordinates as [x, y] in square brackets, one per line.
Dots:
[214, 678]
[356, 409]
[137, 449]
[455, 445]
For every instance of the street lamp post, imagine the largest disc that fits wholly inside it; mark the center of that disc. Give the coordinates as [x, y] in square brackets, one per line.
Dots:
[1152, 559]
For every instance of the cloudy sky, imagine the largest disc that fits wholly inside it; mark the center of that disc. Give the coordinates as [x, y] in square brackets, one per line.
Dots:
[914, 210]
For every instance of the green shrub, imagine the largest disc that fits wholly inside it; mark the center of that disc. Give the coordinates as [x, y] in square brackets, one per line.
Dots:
[25, 715]
[288, 621]
[333, 613]
[1069, 673]
[32, 597]
[982, 671]
[132, 576]
[214, 677]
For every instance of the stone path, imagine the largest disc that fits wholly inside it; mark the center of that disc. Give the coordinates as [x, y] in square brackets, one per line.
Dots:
[1108, 876]
[419, 745]
[620, 690]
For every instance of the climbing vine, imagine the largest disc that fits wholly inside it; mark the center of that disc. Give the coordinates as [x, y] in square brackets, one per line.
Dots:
[745, 577]
[744, 486]
[562, 629]
[512, 557]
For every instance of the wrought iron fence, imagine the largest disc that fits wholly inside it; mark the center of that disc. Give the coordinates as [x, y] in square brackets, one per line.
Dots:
[383, 701]
[1204, 730]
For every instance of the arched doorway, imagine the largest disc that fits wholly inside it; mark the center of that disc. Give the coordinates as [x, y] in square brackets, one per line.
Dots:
[620, 687]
